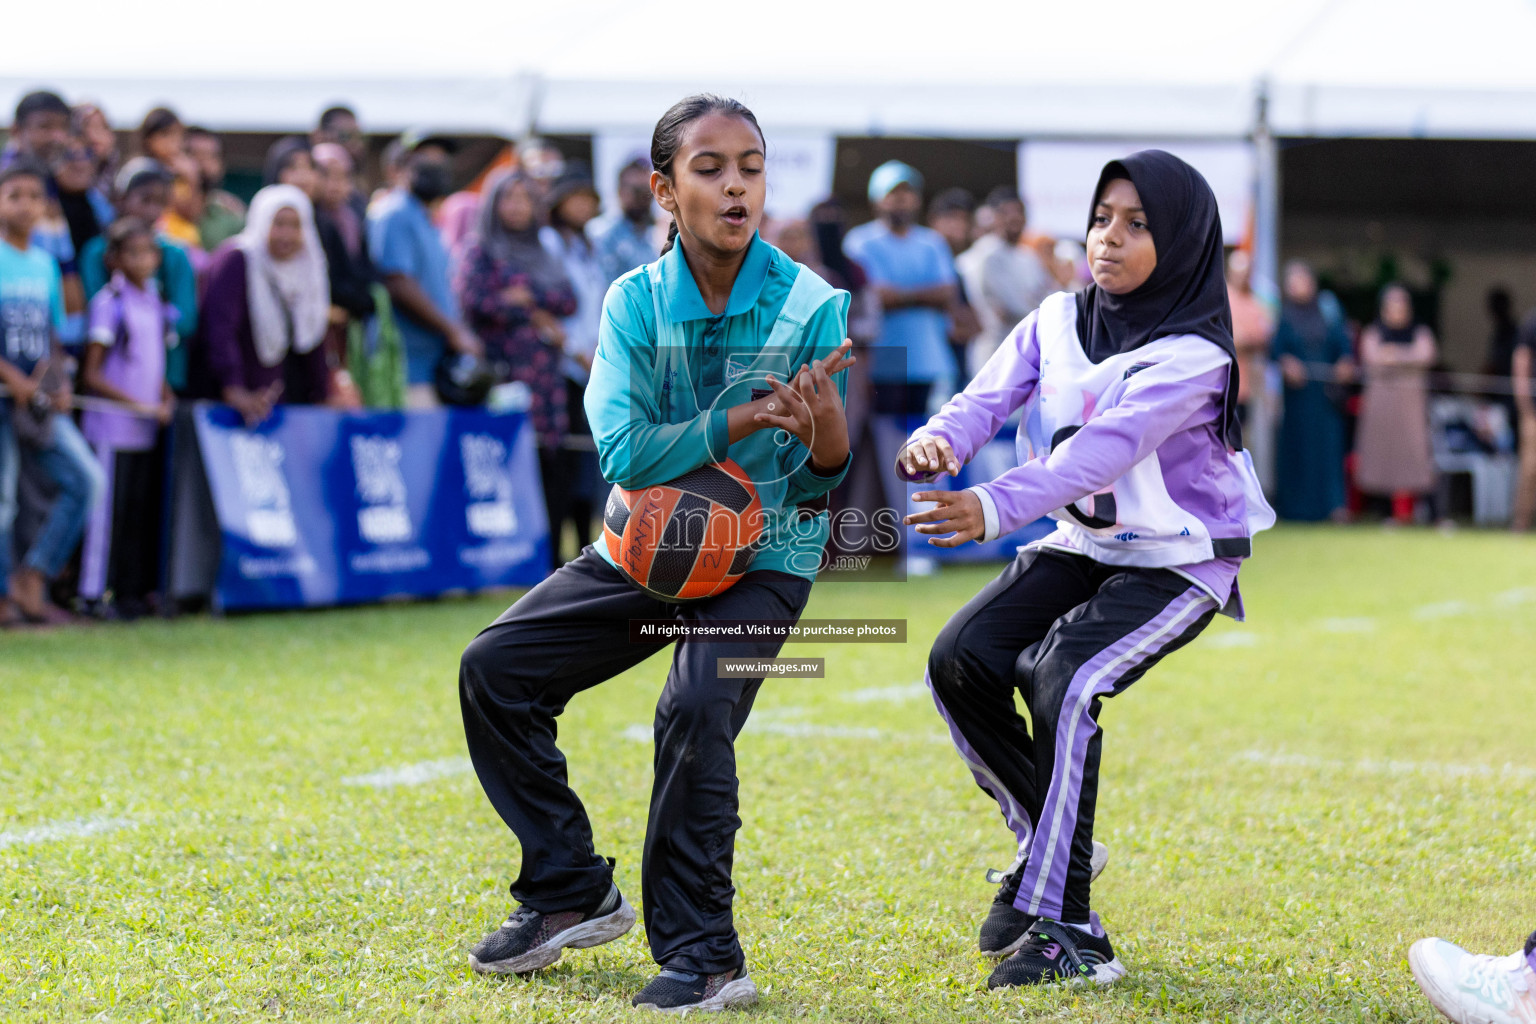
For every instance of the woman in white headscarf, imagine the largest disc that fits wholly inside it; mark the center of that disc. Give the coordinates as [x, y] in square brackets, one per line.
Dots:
[265, 304]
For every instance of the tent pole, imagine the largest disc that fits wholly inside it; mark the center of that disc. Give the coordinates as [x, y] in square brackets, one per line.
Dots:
[1264, 398]
[535, 100]
[1266, 242]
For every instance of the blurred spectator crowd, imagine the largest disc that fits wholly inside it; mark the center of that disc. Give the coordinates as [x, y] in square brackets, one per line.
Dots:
[1370, 422]
[129, 284]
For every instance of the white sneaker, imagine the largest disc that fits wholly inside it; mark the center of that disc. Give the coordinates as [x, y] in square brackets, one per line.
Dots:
[1097, 862]
[1470, 988]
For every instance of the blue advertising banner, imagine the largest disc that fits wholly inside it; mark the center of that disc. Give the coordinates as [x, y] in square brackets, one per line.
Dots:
[321, 507]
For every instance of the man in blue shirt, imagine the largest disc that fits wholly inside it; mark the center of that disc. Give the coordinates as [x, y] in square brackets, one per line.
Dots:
[911, 363]
[411, 258]
[911, 269]
[627, 242]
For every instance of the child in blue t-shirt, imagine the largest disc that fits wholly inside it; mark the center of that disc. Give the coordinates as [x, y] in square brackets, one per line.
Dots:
[34, 374]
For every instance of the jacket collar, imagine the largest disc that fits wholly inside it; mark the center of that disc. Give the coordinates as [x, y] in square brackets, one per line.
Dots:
[681, 293]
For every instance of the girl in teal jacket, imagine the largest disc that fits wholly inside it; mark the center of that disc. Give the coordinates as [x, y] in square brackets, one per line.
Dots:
[722, 348]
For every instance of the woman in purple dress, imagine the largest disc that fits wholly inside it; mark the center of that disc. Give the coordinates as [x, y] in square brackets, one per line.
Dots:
[514, 294]
[265, 306]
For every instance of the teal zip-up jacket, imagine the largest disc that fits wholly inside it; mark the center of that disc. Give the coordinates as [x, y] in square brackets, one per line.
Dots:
[660, 387]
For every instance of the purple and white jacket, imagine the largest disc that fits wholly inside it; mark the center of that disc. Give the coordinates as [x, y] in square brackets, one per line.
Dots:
[1125, 454]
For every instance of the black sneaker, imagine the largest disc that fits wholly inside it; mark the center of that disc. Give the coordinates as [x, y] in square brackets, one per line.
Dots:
[528, 940]
[1006, 927]
[1056, 953]
[674, 991]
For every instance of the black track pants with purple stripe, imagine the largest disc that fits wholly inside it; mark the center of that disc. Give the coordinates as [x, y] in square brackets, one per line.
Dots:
[569, 634]
[1066, 632]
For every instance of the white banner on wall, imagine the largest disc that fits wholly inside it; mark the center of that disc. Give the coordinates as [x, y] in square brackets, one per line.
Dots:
[799, 168]
[1056, 180]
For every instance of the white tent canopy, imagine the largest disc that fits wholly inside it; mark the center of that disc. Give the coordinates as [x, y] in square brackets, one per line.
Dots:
[274, 66]
[967, 68]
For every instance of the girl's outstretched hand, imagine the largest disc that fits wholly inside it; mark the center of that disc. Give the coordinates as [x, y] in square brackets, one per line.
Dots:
[829, 423]
[959, 511]
[840, 358]
[812, 410]
[929, 455]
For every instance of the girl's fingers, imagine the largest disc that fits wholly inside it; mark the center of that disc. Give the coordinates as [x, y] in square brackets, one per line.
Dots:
[936, 456]
[787, 423]
[946, 456]
[805, 383]
[771, 420]
[923, 457]
[787, 411]
[840, 357]
[823, 380]
[780, 386]
[783, 391]
[941, 514]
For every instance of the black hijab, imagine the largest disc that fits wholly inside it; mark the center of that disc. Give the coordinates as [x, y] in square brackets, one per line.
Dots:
[1395, 335]
[1187, 291]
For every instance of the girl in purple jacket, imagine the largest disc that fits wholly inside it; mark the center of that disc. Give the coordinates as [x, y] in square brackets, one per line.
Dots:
[1130, 441]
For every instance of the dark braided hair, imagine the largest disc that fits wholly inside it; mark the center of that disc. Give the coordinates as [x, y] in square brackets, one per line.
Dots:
[668, 136]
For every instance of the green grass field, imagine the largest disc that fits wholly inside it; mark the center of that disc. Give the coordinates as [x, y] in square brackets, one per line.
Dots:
[194, 824]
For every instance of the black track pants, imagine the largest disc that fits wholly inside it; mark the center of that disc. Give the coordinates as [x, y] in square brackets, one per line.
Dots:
[566, 635]
[1065, 631]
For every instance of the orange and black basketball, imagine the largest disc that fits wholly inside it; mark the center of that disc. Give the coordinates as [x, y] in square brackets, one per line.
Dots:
[688, 538]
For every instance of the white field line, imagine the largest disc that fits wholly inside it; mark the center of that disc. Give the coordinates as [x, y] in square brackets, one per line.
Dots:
[1361, 624]
[1512, 598]
[760, 717]
[1236, 638]
[787, 713]
[54, 831]
[1372, 766]
[887, 694]
[644, 733]
[805, 730]
[411, 774]
[808, 729]
[1444, 610]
